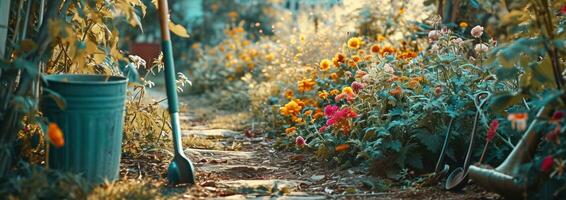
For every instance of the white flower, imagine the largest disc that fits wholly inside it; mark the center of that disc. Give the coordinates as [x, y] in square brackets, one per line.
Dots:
[457, 41]
[435, 47]
[387, 68]
[479, 48]
[434, 35]
[477, 31]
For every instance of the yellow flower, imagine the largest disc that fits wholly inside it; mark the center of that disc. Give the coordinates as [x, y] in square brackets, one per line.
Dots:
[297, 120]
[464, 24]
[290, 109]
[288, 94]
[325, 65]
[380, 38]
[306, 85]
[323, 94]
[347, 90]
[269, 57]
[354, 43]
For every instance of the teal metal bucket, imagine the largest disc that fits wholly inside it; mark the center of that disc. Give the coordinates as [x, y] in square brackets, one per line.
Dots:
[92, 123]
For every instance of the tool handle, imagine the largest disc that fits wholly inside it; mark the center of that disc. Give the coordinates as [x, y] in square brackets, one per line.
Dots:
[170, 82]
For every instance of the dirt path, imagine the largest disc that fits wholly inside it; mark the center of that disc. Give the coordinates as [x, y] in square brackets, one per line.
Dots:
[235, 161]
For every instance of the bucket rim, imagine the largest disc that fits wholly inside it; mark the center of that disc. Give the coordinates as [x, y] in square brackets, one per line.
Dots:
[87, 79]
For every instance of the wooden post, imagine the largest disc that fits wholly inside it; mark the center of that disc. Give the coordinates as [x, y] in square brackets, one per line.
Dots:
[4, 16]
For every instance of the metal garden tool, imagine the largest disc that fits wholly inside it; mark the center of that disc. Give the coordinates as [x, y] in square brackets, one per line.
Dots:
[458, 177]
[181, 169]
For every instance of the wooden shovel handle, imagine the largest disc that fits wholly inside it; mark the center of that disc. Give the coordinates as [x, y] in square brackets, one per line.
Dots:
[164, 19]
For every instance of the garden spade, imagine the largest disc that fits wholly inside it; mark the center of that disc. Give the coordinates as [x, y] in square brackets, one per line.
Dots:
[181, 169]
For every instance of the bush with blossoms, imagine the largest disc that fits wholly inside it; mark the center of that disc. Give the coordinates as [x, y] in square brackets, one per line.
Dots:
[385, 98]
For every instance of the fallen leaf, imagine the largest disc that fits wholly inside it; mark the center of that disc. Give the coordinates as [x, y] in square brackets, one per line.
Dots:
[317, 177]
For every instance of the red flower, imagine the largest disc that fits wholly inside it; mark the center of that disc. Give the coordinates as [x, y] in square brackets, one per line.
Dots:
[563, 10]
[552, 136]
[341, 115]
[492, 131]
[547, 163]
[300, 141]
[558, 115]
[329, 110]
[323, 128]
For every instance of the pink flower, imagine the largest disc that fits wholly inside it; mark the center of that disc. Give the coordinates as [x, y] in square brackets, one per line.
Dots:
[387, 68]
[357, 86]
[477, 31]
[300, 141]
[329, 110]
[434, 35]
[547, 163]
[360, 74]
[340, 97]
[492, 130]
[479, 48]
[323, 128]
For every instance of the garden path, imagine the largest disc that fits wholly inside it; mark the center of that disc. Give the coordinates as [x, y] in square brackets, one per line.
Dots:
[236, 160]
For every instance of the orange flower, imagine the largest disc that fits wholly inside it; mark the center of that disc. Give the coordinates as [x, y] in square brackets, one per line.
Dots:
[388, 51]
[318, 114]
[306, 85]
[323, 94]
[397, 91]
[356, 58]
[368, 57]
[334, 92]
[334, 76]
[354, 43]
[413, 84]
[325, 65]
[375, 48]
[464, 24]
[342, 147]
[361, 52]
[290, 130]
[340, 57]
[288, 94]
[55, 135]
[518, 120]
[352, 63]
[308, 113]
